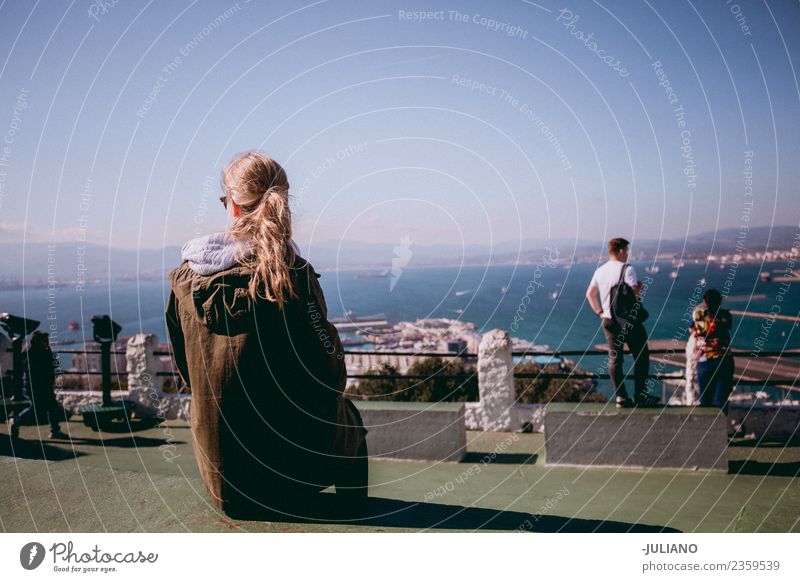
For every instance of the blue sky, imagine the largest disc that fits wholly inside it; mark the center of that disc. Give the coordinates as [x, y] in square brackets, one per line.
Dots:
[484, 122]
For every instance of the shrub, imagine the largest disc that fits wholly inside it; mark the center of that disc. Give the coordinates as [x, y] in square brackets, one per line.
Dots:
[544, 390]
[435, 387]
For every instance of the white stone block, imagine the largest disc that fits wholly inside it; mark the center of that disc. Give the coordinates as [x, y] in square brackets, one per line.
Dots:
[495, 383]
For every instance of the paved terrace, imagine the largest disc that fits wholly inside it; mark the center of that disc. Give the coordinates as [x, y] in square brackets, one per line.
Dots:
[129, 481]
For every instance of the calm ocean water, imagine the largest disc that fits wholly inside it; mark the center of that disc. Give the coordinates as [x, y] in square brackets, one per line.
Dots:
[488, 297]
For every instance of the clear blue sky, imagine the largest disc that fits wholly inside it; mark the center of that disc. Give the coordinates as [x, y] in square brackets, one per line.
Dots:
[120, 117]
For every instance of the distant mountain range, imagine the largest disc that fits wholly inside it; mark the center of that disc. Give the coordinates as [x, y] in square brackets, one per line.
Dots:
[350, 254]
[34, 262]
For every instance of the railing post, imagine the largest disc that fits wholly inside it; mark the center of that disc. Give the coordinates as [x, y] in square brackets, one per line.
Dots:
[143, 384]
[495, 382]
[691, 390]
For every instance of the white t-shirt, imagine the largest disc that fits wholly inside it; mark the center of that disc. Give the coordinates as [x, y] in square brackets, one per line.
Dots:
[606, 276]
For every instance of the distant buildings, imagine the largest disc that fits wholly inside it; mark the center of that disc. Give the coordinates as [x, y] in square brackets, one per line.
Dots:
[782, 256]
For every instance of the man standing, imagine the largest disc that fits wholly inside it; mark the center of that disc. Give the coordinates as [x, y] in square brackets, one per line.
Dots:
[40, 373]
[634, 335]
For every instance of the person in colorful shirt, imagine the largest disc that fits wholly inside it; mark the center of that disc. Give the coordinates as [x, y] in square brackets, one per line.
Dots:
[711, 328]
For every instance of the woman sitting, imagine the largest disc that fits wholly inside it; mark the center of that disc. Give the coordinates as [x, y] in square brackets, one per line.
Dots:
[248, 325]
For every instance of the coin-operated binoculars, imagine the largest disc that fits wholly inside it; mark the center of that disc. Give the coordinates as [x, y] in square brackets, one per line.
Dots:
[105, 331]
[17, 329]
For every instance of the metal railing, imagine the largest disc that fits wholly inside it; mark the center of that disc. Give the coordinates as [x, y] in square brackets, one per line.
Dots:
[783, 383]
[787, 384]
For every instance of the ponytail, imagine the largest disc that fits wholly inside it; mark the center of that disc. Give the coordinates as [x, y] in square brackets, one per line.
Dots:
[260, 188]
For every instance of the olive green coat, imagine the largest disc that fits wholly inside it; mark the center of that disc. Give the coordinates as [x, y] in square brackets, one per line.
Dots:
[268, 416]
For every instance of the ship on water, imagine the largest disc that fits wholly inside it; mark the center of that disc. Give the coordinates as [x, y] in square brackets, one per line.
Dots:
[372, 275]
[351, 319]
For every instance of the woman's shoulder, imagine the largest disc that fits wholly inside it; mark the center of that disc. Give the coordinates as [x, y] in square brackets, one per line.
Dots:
[303, 266]
[304, 275]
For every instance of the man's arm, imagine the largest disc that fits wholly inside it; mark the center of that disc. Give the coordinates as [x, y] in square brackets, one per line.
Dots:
[633, 280]
[593, 297]
[725, 320]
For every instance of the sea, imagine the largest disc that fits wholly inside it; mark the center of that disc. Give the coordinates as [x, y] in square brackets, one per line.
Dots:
[541, 303]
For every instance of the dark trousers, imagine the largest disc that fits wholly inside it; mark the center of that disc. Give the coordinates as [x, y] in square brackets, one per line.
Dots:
[635, 337]
[715, 378]
[43, 406]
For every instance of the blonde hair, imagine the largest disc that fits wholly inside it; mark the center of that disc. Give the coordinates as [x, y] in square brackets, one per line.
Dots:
[259, 186]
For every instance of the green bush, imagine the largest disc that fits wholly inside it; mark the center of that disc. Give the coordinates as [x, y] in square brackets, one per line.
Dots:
[544, 390]
[435, 387]
[438, 388]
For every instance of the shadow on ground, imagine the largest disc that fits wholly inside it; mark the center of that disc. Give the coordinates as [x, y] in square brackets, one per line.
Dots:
[766, 443]
[501, 459]
[35, 450]
[130, 425]
[748, 467]
[116, 426]
[65, 449]
[381, 512]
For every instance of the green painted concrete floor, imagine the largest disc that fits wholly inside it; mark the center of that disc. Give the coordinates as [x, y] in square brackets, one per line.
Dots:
[147, 481]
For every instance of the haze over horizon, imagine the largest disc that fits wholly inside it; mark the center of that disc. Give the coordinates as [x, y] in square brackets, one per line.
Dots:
[468, 125]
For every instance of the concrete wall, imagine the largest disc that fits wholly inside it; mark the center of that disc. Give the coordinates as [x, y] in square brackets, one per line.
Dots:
[765, 421]
[600, 435]
[415, 430]
[172, 406]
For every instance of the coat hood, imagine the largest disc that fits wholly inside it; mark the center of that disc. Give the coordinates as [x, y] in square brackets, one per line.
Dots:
[216, 252]
[220, 301]
[213, 286]
[213, 253]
